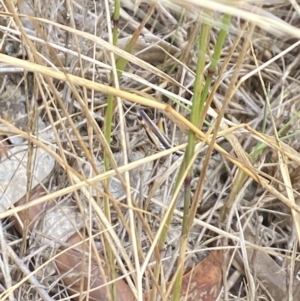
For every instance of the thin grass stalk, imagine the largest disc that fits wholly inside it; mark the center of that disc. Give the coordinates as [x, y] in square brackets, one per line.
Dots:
[110, 102]
[197, 107]
[120, 66]
[241, 175]
[180, 175]
[198, 87]
[157, 268]
[182, 168]
[208, 99]
[214, 62]
[107, 133]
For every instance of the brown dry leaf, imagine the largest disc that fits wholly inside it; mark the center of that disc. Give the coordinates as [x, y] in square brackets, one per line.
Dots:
[78, 276]
[268, 272]
[204, 281]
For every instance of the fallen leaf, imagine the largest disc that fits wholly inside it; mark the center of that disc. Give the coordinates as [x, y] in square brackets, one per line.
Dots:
[204, 281]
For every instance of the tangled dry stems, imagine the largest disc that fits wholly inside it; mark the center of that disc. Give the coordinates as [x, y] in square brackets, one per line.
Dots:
[155, 70]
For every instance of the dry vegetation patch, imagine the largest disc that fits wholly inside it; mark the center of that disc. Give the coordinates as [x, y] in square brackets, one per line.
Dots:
[149, 150]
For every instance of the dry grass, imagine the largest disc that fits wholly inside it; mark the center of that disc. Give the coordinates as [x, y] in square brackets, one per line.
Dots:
[57, 64]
